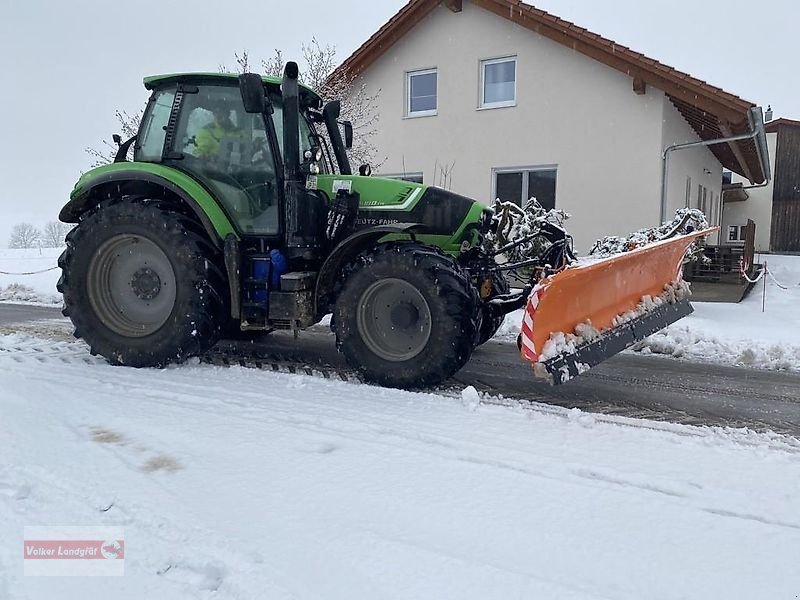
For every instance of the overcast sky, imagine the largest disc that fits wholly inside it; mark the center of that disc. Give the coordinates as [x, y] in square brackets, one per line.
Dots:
[68, 65]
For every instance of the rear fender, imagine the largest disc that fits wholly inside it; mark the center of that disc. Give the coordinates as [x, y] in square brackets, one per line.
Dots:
[117, 183]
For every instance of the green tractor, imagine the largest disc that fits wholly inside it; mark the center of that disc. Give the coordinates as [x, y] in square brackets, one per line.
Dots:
[236, 215]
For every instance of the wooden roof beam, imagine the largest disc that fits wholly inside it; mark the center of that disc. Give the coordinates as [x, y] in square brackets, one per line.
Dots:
[737, 151]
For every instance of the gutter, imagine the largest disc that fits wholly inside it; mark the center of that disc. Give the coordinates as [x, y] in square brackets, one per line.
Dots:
[755, 120]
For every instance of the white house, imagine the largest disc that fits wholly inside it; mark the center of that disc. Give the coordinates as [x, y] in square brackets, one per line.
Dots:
[495, 98]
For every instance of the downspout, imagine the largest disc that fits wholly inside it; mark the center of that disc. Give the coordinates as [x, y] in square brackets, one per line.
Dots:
[755, 120]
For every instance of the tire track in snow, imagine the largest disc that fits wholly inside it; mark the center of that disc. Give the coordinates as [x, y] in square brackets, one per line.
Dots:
[349, 424]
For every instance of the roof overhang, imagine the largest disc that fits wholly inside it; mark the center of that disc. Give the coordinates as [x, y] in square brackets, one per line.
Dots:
[711, 111]
[773, 126]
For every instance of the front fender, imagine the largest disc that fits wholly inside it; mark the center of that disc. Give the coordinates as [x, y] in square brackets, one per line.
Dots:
[348, 249]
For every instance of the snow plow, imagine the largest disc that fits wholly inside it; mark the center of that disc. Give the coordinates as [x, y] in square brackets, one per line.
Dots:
[587, 312]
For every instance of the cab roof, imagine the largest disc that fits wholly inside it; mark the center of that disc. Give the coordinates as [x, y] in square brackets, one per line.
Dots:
[155, 81]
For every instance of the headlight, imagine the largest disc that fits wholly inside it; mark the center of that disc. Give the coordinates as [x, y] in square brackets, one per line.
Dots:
[314, 154]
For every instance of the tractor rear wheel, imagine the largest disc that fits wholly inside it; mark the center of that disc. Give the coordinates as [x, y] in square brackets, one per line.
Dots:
[406, 316]
[141, 284]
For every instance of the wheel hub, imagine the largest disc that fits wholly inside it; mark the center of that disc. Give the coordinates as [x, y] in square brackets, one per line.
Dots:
[146, 283]
[404, 315]
[394, 320]
[131, 285]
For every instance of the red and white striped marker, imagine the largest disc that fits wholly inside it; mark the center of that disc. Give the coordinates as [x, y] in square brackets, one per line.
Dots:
[527, 346]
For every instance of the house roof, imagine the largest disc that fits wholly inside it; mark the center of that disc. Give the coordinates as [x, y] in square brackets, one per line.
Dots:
[772, 126]
[711, 111]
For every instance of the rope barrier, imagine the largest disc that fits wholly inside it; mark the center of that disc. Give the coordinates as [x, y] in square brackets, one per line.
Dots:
[757, 279]
[31, 272]
[775, 281]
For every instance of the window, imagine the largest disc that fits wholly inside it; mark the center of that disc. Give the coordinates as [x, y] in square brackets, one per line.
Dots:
[151, 143]
[737, 233]
[498, 82]
[412, 177]
[702, 199]
[519, 185]
[688, 192]
[421, 90]
[712, 213]
[227, 149]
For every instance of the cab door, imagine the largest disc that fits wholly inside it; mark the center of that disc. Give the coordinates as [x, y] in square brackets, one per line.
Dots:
[228, 150]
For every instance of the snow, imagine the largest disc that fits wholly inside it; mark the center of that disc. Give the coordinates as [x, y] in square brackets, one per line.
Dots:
[740, 334]
[684, 221]
[729, 334]
[30, 289]
[234, 484]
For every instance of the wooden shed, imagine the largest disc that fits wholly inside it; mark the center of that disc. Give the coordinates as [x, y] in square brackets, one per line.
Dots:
[785, 234]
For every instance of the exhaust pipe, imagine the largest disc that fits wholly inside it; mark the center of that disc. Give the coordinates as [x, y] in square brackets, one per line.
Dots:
[330, 113]
[303, 216]
[291, 122]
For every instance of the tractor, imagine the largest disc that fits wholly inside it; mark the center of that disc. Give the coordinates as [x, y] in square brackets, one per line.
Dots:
[237, 215]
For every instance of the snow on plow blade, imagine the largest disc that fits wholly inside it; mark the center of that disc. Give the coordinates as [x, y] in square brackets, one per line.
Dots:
[604, 305]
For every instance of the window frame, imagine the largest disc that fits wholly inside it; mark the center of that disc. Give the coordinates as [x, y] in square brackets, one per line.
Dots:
[482, 104]
[740, 234]
[421, 113]
[525, 180]
[146, 127]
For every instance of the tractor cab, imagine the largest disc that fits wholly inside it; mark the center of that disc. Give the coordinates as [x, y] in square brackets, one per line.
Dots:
[199, 124]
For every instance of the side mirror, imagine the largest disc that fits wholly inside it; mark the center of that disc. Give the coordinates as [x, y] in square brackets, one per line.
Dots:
[348, 134]
[254, 96]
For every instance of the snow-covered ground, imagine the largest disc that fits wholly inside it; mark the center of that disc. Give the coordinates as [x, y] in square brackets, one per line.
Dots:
[240, 484]
[733, 334]
[32, 289]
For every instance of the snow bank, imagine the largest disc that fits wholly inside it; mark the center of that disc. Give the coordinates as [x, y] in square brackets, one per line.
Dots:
[236, 483]
[729, 334]
[39, 288]
[740, 334]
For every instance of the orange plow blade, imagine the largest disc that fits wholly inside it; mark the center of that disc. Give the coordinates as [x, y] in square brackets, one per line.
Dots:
[588, 312]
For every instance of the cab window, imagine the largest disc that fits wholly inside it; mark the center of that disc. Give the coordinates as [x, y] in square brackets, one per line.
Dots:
[150, 142]
[227, 149]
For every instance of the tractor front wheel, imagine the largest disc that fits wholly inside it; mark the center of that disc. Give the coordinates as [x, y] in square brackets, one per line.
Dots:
[141, 284]
[406, 316]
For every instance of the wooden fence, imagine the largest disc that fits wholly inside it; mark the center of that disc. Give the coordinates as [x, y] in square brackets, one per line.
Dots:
[726, 263]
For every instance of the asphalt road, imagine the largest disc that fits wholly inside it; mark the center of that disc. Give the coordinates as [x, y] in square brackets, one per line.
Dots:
[628, 384]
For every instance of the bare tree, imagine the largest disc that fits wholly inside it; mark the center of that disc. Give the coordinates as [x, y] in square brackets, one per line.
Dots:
[54, 234]
[24, 235]
[129, 127]
[359, 106]
[242, 63]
